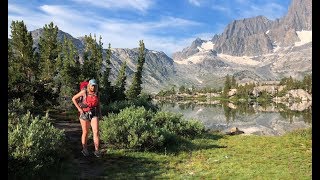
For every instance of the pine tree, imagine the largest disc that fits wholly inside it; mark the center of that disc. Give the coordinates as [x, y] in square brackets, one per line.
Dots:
[23, 68]
[106, 88]
[135, 88]
[182, 89]
[233, 82]
[93, 59]
[227, 86]
[121, 83]
[48, 50]
[290, 83]
[99, 61]
[307, 83]
[68, 72]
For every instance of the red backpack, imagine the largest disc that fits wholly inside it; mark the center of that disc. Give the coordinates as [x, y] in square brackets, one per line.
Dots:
[89, 101]
[83, 84]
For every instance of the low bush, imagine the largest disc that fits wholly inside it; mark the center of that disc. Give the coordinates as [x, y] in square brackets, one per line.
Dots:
[131, 129]
[141, 129]
[176, 124]
[33, 144]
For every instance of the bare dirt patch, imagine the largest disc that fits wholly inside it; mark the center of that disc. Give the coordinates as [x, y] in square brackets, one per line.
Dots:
[87, 167]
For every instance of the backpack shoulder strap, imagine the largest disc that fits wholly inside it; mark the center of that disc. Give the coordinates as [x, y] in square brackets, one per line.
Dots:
[85, 96]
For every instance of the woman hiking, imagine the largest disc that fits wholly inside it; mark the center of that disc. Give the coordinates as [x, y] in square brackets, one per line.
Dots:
[90, 111]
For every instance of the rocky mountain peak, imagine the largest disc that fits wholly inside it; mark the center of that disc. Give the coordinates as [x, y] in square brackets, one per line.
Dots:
[299, 15]
[246, 27]
[197, 42]
[254, 49]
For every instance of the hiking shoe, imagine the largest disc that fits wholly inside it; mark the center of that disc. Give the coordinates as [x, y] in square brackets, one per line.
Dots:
[85, 152]
[97, 153]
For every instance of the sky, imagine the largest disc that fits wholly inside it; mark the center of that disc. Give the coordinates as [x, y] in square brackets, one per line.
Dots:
[163, 25]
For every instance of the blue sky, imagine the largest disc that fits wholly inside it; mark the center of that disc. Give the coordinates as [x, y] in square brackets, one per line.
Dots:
[163, 25]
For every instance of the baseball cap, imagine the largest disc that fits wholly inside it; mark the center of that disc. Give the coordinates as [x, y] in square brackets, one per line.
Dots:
[93, 82]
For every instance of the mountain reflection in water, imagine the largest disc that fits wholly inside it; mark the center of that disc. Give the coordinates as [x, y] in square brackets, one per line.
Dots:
[254, 118]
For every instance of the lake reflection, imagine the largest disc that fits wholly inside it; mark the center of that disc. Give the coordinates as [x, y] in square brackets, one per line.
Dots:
[271, 119]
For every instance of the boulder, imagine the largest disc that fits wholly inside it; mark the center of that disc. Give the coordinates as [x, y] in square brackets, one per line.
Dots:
[234, 131]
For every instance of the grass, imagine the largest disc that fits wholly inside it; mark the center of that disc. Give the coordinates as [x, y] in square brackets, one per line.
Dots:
[217, 156]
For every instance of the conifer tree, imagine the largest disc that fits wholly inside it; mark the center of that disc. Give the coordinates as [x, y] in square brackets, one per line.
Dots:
[99, 59]
[48, 50]
[93, 59]
[182, 89]
[135, 88]
[307, 83]
[68, 71]
[106, 88]
[227, 86]
[23, 68]
[233, 82]
[121, 82]
[290, 83]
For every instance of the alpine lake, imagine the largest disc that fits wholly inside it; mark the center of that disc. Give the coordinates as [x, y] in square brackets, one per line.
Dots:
[270, 119]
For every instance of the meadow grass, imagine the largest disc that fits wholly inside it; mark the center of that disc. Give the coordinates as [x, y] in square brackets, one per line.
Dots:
[218, 156]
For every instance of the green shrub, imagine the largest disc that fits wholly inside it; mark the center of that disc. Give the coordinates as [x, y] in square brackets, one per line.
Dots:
[131, 129]
[138, 128]
[33, 144]
[176, 124]
[16, 106]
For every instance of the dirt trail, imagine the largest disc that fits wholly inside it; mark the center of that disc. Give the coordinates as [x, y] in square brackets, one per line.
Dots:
[89, 167]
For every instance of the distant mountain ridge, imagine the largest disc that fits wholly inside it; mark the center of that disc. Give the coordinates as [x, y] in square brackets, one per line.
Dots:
[257, 48]
[258, 35]
[251, 49]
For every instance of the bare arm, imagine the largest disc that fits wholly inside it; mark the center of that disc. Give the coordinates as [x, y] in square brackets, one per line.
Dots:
[74, 100]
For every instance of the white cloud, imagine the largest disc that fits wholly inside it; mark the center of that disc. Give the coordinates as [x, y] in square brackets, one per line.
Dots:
[128, 34]
[118, 32]
[269, 10]
[16, 9]
[31, 18]
[141, 5]
[194, 2]
[174, 22]
[220, 8]
[239, 9]
[64, 13]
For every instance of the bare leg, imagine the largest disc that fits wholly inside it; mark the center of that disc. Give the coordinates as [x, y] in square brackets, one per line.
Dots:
[85, 130]
[95, 131]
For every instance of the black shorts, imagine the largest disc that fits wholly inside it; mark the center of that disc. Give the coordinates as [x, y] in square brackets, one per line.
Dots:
[88, 115]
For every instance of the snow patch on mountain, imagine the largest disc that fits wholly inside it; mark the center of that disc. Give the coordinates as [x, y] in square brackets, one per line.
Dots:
[304, 36]
[199, 80]
[240, 60]
[192, 60]
[276, 47]
[206, 46]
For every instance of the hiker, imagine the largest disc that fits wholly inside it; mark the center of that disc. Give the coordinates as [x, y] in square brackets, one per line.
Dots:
[90, 111]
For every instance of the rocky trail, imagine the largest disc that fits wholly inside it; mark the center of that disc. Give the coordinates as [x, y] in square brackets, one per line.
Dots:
[86, 167]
